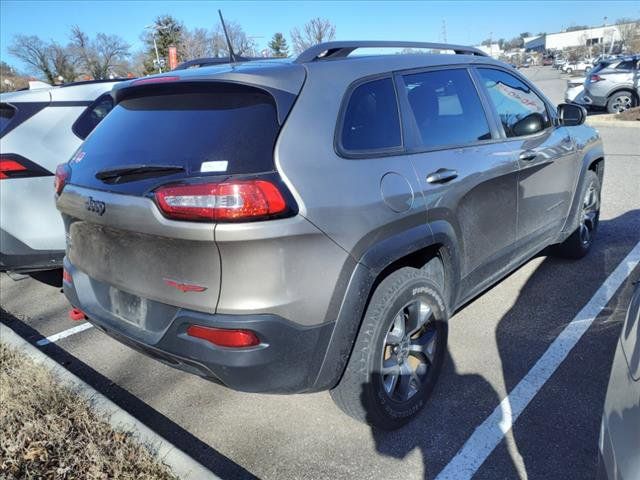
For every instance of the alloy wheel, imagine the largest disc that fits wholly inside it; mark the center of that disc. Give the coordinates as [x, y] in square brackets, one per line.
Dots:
[622, 103]
[408, 351]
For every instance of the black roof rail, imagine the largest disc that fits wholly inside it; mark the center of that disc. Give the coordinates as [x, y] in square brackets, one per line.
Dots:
[327, 50]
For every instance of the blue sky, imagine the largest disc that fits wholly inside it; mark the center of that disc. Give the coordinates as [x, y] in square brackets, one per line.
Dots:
[466, 22]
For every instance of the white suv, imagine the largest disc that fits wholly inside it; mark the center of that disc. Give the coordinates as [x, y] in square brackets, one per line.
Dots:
[40, 128]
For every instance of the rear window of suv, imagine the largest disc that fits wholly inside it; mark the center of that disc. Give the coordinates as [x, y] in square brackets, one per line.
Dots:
[208, 129]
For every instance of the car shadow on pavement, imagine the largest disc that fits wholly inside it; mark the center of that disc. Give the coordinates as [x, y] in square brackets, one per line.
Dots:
[215, 461]
[548, 444]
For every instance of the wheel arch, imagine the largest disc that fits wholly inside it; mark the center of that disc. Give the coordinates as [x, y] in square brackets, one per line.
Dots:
[411, 248]
[625, 88]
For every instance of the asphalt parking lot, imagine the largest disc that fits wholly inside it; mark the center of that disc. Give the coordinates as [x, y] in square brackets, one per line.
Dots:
[494, 341]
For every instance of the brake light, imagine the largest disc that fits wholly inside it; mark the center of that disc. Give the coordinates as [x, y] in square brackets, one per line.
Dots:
[595, 78]
[62, 176]
[10, 167]
[66, 276]
[219, 202]
[223, 337]
[145, 81]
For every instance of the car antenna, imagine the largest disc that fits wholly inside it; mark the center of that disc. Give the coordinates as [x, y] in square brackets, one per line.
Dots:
[232, 56]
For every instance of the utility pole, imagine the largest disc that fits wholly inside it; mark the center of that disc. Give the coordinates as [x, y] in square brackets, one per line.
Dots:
[444, 31]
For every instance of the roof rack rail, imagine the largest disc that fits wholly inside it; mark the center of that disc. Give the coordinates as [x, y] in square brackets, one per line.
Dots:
[328, 50]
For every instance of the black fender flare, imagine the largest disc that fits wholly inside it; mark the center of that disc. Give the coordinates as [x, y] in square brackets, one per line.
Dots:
[349, 310]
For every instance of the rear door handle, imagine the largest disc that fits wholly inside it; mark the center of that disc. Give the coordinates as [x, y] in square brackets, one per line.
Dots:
[528, 155]
[442, 175]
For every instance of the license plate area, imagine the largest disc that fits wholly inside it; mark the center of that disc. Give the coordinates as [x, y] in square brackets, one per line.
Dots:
[128, 307]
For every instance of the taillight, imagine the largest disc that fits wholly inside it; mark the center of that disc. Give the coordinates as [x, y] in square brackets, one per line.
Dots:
[16, 166]
[224, 337]
[62, 175]
[235, 200]
[595, 78]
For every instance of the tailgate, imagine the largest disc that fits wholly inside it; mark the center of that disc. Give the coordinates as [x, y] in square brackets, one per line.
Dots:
[124, 241]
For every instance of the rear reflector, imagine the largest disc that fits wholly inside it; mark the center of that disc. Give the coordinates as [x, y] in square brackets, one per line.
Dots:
[66, 276]
[63, 172]
[219, 202]
[224, 337]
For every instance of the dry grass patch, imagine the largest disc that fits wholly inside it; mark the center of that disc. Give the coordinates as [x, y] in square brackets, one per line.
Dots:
[48, 431]
[631, 114]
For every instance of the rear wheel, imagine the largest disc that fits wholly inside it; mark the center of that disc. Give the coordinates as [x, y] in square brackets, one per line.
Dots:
[580, 241]
[399, 351]
[620, 101]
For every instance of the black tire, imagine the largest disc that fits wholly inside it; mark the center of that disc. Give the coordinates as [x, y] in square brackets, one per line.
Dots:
[580, 241]
[363, 392]
[621, 101]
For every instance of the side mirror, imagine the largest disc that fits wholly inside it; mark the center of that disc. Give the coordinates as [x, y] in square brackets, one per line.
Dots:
[571, 115]
[532, 123]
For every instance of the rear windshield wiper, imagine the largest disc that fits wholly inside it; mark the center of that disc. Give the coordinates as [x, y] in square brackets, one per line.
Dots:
[136, 172]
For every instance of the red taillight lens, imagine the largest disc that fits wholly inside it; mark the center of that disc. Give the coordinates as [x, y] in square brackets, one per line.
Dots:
[595, 78]
[224, 337]
[66, 276]
[8, 167]
[218, 202]
[62, 175]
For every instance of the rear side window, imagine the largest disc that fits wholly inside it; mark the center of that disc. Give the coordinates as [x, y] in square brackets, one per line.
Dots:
[521, 111]
[92, 116]
[446, 108]
[209, 128]
[626, 65]
[6, 114]
[371, 121]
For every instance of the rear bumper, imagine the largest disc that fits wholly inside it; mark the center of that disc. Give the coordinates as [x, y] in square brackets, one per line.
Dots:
[18, 257]
[287, 360]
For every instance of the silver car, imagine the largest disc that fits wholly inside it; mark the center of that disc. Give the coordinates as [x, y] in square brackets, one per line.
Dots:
[301, 225]
[620, 431]
[614, 87]
[40, 127]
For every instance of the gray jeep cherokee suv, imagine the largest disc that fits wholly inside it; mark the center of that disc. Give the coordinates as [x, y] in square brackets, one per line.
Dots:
[311, 224]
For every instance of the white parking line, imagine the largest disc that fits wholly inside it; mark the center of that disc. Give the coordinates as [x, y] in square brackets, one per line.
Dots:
[64, 334]
[490, 433]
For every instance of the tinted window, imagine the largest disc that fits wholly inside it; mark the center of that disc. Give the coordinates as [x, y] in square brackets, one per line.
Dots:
[521, 111]
[371, 119]
[92, 116]
[446, 108]
[626, 65]
[6, 114]
[221, 129]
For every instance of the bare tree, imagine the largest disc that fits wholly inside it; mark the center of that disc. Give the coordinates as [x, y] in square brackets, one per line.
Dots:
[196, 43]
[629, 29]
[35, 53]
[64, 63]
[241, 43]
[100, 56]
[315, 31]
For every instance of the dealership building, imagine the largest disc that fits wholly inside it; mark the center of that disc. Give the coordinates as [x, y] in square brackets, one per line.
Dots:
[606, 34]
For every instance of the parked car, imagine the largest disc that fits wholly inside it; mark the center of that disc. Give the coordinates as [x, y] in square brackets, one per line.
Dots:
[579, 66]
[547, 61]
[575, 90]
[39, 127]
[558, 62]
[262, 224]
[619, 446]
[615, 86]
